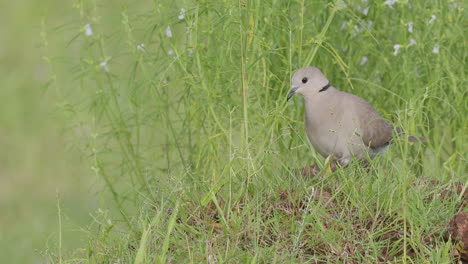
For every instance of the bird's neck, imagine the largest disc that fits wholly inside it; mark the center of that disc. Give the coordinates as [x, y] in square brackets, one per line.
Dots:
[318, 104]
[315, 97]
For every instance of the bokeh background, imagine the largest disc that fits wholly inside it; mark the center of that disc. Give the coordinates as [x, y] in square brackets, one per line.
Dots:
[38, 167]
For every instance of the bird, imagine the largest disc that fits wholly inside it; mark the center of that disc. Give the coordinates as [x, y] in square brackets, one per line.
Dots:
[340, 125]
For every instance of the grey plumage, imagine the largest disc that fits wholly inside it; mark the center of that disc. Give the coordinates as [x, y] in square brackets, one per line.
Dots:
[339, 124]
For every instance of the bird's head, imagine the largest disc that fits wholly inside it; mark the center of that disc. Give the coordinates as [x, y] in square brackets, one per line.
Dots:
[308, 81]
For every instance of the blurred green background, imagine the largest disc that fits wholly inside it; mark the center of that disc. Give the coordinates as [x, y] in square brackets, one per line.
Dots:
[37, 165]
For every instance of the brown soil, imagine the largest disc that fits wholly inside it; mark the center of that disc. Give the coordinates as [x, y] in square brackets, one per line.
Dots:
[333, 211]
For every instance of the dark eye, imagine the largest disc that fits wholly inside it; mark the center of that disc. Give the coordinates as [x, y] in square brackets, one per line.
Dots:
[304, 80]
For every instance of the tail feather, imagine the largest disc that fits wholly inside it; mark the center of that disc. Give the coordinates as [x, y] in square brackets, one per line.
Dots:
[401, 133]
[417, 140]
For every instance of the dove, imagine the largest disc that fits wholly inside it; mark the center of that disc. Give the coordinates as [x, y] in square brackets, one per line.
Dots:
[339, 125]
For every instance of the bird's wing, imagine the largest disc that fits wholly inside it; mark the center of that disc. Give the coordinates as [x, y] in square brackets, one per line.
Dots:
[375, 131]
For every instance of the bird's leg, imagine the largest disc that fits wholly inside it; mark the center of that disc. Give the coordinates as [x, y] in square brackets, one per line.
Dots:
[343, 162]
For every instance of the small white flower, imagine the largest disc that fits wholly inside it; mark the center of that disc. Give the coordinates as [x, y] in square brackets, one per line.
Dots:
[141, 47]
[396, 47]
[104, 66]
[182, 14]
[190, 52]
[168, 32]
[365, 11]
[364, 1]
[433, 18]
[435, 49]
[390, 3]
[367, 27]
[341, 4]
[410, 27]
[170, 52]
[344, 24]
[411, 43]
[88, 30]
[363, 60]
[357, 29]
[453, 6]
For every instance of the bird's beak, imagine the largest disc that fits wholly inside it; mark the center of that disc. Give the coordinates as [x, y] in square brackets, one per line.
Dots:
[292, 92]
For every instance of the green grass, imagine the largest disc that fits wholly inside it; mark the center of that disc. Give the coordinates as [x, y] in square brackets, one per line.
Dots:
[197, 147]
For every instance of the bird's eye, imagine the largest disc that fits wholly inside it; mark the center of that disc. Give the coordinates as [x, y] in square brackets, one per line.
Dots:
[304, 80]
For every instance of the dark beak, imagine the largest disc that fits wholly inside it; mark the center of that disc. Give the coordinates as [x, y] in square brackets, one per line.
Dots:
[292, 92]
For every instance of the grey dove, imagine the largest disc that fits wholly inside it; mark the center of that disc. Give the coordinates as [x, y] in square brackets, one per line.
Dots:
[339, 124]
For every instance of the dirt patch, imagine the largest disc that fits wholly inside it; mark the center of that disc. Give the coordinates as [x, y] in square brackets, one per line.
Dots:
[444, 191]
[277, 221]
[458, 233]
[315, 170]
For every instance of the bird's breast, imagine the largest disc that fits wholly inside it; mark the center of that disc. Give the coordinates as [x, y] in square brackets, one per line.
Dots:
[332, 132]
[323, 128]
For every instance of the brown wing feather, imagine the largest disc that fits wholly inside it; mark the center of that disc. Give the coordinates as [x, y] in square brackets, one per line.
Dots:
[376, 132]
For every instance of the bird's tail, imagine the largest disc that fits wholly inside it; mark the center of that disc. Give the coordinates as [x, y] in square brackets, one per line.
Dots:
[401, 133]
